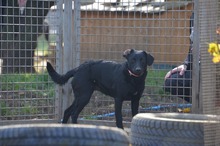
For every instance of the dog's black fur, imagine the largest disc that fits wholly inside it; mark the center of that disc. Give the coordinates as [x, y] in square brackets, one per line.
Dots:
[121, 81]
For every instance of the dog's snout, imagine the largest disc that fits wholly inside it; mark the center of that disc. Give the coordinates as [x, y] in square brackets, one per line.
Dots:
[138, 69]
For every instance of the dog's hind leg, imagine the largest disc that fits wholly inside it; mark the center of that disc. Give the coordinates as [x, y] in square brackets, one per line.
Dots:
[82, 98]
[68, 112]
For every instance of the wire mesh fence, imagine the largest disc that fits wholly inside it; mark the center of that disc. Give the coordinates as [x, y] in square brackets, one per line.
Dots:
[33, 32]
[26, 91]
[161, 28]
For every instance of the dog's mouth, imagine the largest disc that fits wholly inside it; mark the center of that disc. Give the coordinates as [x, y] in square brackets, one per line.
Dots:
[136, 74]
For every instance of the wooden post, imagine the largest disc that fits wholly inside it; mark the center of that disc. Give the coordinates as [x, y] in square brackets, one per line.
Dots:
[76, 33]
[67, 52]
[59, 49]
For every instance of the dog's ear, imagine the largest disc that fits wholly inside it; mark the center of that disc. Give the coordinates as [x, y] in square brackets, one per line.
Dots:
[150, 59]
[127, 52]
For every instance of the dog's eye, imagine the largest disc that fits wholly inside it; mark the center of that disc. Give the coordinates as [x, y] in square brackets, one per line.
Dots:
[143, 61]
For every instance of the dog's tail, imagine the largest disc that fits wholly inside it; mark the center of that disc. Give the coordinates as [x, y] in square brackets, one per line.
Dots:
[57, 78]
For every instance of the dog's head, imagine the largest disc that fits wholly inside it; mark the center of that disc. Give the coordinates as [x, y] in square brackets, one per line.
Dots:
[138, 61]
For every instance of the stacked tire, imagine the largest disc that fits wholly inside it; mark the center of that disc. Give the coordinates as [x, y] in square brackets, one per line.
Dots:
[166, 129]
[62, 135]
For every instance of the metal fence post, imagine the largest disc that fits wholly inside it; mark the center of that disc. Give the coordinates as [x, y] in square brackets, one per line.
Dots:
[76, 33]
[67, 51]
[196, 97]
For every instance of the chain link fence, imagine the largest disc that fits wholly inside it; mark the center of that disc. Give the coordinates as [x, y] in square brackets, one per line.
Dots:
[161, 28]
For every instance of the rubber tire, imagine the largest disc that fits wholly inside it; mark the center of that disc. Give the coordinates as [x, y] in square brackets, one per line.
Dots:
[65, 135]
[165, 129]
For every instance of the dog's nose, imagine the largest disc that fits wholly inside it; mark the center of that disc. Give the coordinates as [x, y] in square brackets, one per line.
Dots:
[138, 69]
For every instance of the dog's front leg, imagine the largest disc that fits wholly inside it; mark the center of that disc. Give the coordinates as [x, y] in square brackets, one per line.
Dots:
[118, 112]
[134, 106]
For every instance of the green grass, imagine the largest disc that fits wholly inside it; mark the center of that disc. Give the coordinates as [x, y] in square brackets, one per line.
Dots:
[42, 84]
[23, 94]
[35, 83]
[25, 81]
[3, 108]
[155, 77]
[26, 94]
[31, 91]
[155, 82]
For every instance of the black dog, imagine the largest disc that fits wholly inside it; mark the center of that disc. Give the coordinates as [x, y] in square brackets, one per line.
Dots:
[122, 81]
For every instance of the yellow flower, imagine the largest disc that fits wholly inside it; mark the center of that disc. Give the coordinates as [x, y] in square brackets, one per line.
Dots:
[214, 49]
[216, 59]
[215, 52]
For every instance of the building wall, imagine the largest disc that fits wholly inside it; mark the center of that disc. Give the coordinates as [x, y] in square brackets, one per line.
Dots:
[105, 35]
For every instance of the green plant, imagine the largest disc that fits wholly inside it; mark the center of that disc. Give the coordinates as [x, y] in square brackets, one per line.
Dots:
[3, 109]
[27, 109]
[155, 81]
[26, 94]
[25, 82]
[155, 77]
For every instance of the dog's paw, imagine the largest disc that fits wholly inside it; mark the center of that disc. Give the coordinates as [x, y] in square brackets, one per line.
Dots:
[61, 121]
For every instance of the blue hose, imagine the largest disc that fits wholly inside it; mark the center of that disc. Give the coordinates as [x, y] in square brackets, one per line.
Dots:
[153, 108]
[159, 107]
